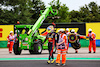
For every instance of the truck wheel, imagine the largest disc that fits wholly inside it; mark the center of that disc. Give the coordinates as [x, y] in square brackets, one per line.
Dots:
[38, 48]
[16, 49]
[31, 51]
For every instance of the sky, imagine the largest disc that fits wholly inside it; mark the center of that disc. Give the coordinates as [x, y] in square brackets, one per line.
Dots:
[73, 4]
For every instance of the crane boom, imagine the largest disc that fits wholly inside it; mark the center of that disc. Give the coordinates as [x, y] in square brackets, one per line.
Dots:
[43, 16]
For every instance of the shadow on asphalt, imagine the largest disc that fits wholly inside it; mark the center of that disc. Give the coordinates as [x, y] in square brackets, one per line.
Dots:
[56, 53]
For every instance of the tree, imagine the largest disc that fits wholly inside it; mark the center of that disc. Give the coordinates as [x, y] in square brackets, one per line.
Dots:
[62, 12]
[84, 11]
[90, 12]
[74, 16]
[26, 11]
[94, 9]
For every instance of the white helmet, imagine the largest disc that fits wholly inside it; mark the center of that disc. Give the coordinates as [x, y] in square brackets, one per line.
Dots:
[11, 31]
[89, 29]
[16, 31]
[50, 28]
[67, 29]
[72, 30]
[62, 30]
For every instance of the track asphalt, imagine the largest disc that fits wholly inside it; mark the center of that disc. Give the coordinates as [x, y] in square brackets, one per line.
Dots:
[42, 63]
[81, 59]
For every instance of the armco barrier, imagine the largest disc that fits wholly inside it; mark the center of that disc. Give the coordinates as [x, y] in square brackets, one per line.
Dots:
[84, 43]
[98, 43]
[3, 44]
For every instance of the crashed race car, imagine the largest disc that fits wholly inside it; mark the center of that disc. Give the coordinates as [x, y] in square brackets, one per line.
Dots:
[74, 40]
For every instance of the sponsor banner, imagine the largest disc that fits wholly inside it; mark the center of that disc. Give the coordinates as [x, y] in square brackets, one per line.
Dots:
[4, 31]
[85, 43]
[79, 28]
[3, 44]
[42, 30]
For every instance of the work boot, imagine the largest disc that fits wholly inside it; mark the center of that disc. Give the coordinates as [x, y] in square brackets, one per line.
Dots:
[76, 51]
[10, 52]
[93, 52]
[89, 51]
[62, 64]
[52, 61]
[48, 61]
[57, 64]
[66, 51]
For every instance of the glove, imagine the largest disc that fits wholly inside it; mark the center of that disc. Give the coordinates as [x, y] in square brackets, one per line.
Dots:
[90, 38]
[87, 37]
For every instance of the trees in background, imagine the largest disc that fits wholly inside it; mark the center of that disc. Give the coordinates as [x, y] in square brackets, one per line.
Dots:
[27, 12]
[63, 12]
[87, 13]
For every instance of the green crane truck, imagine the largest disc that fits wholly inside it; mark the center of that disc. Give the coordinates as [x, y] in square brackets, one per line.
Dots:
[28, 37]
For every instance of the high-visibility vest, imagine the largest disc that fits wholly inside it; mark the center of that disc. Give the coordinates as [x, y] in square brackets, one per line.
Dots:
[67, 33]
[92, 34]
[63, 45]
[11, 37]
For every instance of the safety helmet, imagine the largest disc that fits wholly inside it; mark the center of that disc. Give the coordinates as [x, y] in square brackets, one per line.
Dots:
[16, 31]
[62, 30]
[50, 29]
[67, 29]
[72, 30]
[89, 29]
[11, 31]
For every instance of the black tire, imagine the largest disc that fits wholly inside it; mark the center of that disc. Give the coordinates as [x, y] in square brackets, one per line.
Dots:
[76, 45]
[31, 51]
[16, 49]
[38, 48]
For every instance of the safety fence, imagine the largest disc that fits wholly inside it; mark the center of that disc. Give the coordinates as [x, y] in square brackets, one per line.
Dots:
[81, 29]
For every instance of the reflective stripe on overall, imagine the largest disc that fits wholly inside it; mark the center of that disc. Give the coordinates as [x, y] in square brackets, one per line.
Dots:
[11, 39]
[92, 42]
[61, 49]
